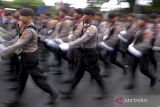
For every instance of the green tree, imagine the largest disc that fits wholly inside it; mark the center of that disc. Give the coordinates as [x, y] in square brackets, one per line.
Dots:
[23, 3]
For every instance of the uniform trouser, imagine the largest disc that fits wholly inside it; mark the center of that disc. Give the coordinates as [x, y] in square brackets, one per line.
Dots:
[124, 53]
[14, 62]
[72, 55]
[152, 59]
[29, 66]
[87, 61]
[113, 58]
[143, 63]
[104, 58]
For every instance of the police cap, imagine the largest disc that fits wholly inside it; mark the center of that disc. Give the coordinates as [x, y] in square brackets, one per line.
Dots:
[89, 11]
[26, 12]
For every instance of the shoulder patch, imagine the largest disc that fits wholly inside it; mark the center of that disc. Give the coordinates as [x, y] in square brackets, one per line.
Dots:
[90, 29]
[24, 34]
[65, 23]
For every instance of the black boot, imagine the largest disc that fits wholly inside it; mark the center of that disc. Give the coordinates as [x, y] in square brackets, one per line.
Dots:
[101, 95]
[53, 98]
[67, 93]
[153, 82]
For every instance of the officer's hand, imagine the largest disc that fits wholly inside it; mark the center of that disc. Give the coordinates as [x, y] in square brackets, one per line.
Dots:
[105, 37]
[2, 40]
[59, 40]
[2, 48]
[64, 46]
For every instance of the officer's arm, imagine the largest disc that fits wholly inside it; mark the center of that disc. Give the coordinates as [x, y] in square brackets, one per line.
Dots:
[24, 39]
[67, 27]
[77, 32]
[7, 43]
[74, 35]
[90, 32]
[57, 30]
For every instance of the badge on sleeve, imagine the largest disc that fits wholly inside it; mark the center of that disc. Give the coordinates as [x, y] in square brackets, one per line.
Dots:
[90, 29]
[24, 34]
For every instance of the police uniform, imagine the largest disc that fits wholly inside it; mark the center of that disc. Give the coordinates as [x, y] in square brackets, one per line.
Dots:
[110, 45]
[101, 27]
[27, 43]
[88, 59]
[139, 51]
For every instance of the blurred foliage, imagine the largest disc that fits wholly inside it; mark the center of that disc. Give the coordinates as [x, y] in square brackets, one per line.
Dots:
[155, 7]
[93, 3]
[23, 3]
[34, 4]
[52, 10]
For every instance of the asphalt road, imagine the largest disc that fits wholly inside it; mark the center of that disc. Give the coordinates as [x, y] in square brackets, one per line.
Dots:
[84, 93]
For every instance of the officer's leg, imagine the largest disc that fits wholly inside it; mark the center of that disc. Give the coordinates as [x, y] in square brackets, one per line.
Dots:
[113, 59]
[134, 61]
[153, 60]
[144, 68]
[76, 79]
[104, 58]
[14, 68]
[71, 65]
[40, 81]
[22, 79]
[78, 75]
[91, 62]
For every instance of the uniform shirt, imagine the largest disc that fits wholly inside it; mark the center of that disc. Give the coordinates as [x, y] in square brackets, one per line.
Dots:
[88, 39]
[75, 33]
[29, 36]
[143, 42]
[111, 34]
[101, 29]
[66, 28]
[62, 29]
[27, 42]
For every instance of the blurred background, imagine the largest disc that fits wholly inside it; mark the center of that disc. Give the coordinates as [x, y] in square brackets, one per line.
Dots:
[52, 6]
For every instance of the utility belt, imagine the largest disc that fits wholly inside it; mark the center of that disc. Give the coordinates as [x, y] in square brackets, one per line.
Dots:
[87, 50]
[29, 60]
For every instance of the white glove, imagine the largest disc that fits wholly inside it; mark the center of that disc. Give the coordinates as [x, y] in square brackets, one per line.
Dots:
[64, 46]
[70, 36]
[2, 40]
[134, 51]
[40, 36]
[155, 48]
[50, 31]
[105, 37]
[2, 47]
[103, 44]
[51, 42]
[59, 40]
[123, 32]
[46, 40]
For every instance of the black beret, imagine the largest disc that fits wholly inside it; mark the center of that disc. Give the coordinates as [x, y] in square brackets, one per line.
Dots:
[89, 11]
[64, 10]
[111, 15]
[153, 15]
[98, 14]
[144, 17]
[26, 12]
[79, 11]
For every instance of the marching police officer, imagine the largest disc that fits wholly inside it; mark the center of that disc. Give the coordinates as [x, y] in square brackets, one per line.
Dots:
[139, 51]
[27, 43]
[88, 60]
